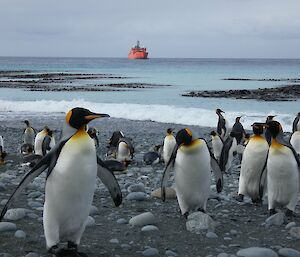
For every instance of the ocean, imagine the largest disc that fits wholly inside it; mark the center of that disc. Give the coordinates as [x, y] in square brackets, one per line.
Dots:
[161, 103]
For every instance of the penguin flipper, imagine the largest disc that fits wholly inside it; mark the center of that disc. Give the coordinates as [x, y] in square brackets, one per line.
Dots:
[109, 180]
[36, 171]
[296, 120]
[166, 173]
[224, 154]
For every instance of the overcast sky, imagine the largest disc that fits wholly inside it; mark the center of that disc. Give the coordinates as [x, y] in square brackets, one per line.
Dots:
[168, 28]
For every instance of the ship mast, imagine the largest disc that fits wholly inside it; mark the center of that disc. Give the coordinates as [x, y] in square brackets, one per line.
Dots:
[137, 44]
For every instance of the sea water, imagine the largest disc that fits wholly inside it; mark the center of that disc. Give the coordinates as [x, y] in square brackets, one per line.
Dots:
[163, 103]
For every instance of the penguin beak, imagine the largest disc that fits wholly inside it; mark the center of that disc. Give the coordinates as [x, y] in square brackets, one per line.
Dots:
[96, 116]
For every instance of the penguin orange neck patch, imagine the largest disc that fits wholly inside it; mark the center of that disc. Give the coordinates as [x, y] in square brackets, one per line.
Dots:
[68, 117]
[276, 145]
[192, 146]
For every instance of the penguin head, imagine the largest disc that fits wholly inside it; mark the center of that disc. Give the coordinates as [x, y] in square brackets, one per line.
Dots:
[258, 128]
[169, 131]
[274, 127]
[237, 119]
[213, 133]
[26, 122]
[270, 117]
[79, 117]
[184, 137]
[219, 111]
[298, 114]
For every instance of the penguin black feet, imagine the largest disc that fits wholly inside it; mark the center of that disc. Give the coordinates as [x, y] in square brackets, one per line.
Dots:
[272, 212]
[185, 215]
[239, 198]
[289, 213]
[257, 201]
[201, 210]
[71, 251]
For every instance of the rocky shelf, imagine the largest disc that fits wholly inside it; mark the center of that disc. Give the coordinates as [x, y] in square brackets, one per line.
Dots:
[282, 93]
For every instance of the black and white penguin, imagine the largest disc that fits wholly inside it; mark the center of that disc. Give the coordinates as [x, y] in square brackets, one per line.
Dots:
[28, 139]
[153, 156]
[92, 131]
[229, 150]
[40, 144]
[238, 130]
[267, 132]
[2, 151]
[254, 163]
[72, 170]
[222, 127]
[125, 150]
[295, 137]
[217, 145]
[113, 143]
[283, 166]
[192, 163]
[168, 145]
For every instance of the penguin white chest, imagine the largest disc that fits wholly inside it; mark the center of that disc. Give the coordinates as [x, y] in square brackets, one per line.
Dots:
[295, 141]
[70, 188]
[192, 177]
[123, 152]
[169, 144]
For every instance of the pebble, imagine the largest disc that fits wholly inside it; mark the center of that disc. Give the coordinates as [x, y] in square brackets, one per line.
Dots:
[275, 220]
[295, 232]
[20, 234]
[35, 194]
[90, 221]
[122, 221]
[136, 196]
[222, 255]
[32, 254]
[199, 221]
[7, 226]
[16, 214]
[32, 215]
[290, 225]
[3, 202]
[114, 241]
[137, 188]
[170, 253]
[170, 193]
[149, 228]
[146, 218]
[257, 252]
[150, 252]
[288, 252]
[34, 204]
[2, 187]
[5, 255]
[211, 235]
[94, 210]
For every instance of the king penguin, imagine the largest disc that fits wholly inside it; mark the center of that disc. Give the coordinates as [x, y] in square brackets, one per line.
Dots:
[295, 138]
[282, 172]
[229, 150]
[222, 127]
[192, 163]
[252, 178]
[28, 139]
[168, 145]
[217, 145]
[125, 150]
[267, 132]
[2, 151]
[39, 140]
[72, 170]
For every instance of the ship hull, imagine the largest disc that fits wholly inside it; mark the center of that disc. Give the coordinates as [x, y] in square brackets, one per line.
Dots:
[138, 55]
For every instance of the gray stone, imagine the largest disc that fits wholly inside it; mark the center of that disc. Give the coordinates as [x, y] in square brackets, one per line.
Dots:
[20, 234]
[275, 220]
[290, 225]
[122, 221]
[35, 204]
[7, 226]
[149, 228]
[199, 221]
[6, 255]
[35, 194]
[136, 196]
[16, 214]
[295, 232]
[137, 188]
[143, 219]
[114, 241]
[222, 255]
[125, 246]
[3, 202]
[32, 254]
[211, 235]
[94, 210]
[2, 187]
[170, 253]
[257, 252]
[170, 193]
[32, 215]
[150, 252]
[288, 252]
[90, 221]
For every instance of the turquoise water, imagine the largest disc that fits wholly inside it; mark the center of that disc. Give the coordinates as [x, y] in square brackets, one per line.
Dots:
[161, 103]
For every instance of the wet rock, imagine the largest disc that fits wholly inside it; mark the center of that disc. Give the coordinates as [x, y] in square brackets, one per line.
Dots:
[199, 221]
[256, 252]
[6, 255]
[137, 188]
[2, 187]
[143, 219]
[7, 226]
[275, 220]
[32, 254]
[170, 193]
[16, 214]
[3, 202]
[114, 241]
[170, 253]
[151, 252]
[222, 255]
[290, 225]
[288, 252]
[90, 221]
[211, 235]
[136, 196]
[295, 232]
[122, 221]
[20, 234]
[94, 210]
[149, 228]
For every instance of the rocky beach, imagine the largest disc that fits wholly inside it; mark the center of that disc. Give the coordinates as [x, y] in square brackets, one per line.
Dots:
[143, 225]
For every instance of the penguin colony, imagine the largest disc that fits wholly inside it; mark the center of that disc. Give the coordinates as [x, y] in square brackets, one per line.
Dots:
[270, 166]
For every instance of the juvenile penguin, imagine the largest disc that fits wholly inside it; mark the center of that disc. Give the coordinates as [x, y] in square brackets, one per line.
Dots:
[28, 138]
[152, 157]
[267, 132]
[229, 150]
[254, 162]
[168, 145]
[125, 150]
[72, 170]
[113, 143]
[192, 163]
[282, 172]
[222, 127]
[39, 140]
[217, 145]
[2, 152]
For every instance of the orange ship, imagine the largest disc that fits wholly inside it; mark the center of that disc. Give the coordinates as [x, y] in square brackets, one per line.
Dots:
[138, 52]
